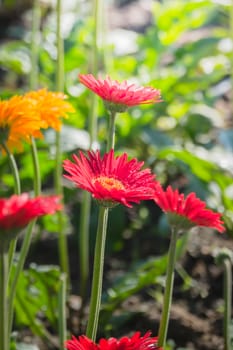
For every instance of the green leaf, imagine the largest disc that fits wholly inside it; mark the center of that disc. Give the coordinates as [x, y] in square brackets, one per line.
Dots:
[16, 57]
[37, 297]
[142, 274]
[202, 168]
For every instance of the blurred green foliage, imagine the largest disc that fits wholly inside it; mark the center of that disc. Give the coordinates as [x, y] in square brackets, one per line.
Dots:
[184, 52]
[36, 301]
[187, 139]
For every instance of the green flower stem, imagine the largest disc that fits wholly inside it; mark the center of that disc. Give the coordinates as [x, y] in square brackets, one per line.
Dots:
[231, 54]
[26, 243]
[36, 168]
[60, 51]
[14, 168]
[92, 128]
[228, 303]
[62, 240]
[62, 311]
[111, 131]
[97, 279]
[97, 32]
[27, 238]
[17, 190]
[84, 243]
[4, 340]
[168, 289]
[36, 16]
[18, 269]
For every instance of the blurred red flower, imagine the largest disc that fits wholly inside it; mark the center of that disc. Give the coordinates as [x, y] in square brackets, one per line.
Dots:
[136, 342]
[119, 96]
[111, 180]
[18, 210]
[185, 213]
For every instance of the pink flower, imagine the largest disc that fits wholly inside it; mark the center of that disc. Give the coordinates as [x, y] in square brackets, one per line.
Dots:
[120, 96]
[186, 212]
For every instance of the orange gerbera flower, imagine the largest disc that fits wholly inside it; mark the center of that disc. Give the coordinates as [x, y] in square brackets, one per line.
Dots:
[18, 122]
[51, 107]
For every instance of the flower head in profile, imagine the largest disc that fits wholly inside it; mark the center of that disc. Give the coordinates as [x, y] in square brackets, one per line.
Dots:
[18, 210]
[111, 180]
[18, 122]
[50, 106]
[119, 96]
[188, 212]
[135, 342]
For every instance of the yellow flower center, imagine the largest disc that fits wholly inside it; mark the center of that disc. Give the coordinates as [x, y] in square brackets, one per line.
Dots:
[109, 183]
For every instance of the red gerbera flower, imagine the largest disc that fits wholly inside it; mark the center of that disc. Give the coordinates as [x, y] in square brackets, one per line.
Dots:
[18, 210]
[81, 343]
[185, 213]
[120, 96]
[136, 342]
[111, 180]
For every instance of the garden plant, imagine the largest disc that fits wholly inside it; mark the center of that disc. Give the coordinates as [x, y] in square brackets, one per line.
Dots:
[114, 154]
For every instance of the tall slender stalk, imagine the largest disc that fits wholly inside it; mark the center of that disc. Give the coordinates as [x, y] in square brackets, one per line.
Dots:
[36, 168]
[17, 190]
[97, 280]
[92, 128]
[18, 269]
[62, 311]
[33, 83]
[231, 55]
[4, 340]
[14, 168]
[111, 131]
[84, 243]
[7, 252]
[36, 16]
[163, 327]
[224, 258]
[60, 50]
[228, 261]
[62, 240]
[227, 293]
